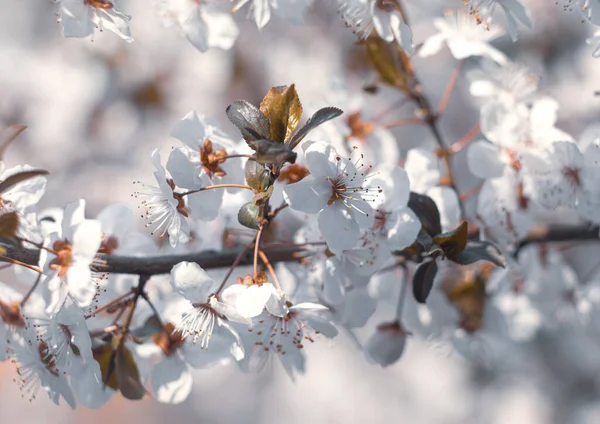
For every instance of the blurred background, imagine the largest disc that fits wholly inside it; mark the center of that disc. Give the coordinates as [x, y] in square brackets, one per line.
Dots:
[95, 110]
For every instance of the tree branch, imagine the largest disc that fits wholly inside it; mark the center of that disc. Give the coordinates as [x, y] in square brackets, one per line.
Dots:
[559, 233]
[154, 265]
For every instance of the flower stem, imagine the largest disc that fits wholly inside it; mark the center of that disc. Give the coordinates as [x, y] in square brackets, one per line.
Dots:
[31, 290]
[270, 268]
[256, 247]
[234, 265]
[216, 186]
[109, 304]
[402, 296]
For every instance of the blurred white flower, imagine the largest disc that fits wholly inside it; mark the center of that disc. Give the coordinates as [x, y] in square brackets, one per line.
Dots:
[68, 259]
[203, 23]
[164, 213]
[464, 38]
[260, 10]
[482, 11]
[561, 175]
[80, 18]
[383, 15]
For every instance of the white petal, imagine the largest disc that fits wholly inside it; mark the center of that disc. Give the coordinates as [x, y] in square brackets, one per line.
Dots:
[115, 220]
[484, 160]
[338, 227]
[251, 301]
[321, 160]
[81, 286]
[183, 171]
[171, 380]
[306, 195]
[192, 282]
[405, 229]
[86, 240]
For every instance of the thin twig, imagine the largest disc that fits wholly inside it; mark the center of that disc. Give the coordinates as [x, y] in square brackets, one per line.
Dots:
[31, 290]
[265, 260]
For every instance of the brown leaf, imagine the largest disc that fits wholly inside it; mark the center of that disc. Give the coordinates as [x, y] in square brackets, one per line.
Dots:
[15, 179]
[8, 136]
[391, 63]
[9, 224]
[283, 108]
[128, 375]
[453, 242]
[104, 356]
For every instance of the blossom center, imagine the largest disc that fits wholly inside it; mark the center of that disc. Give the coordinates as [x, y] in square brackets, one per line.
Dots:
[572, 175]
[10, 313]
[211, 159]
[64, 257]
[169, 340]
[99, 4]
[109, 245]
[181, 208]
[48, 359]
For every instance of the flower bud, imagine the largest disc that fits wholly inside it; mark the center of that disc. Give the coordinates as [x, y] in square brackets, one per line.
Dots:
[250, 215]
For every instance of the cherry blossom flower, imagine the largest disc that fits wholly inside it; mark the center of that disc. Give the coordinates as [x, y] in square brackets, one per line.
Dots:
[504, 210]
[464, 38]
[171, 356]
[338, 192]
[561, 175]
[260, 10]
[36, 368]
[590, 9]
[286, 334]
[79, 18]
[514, 11]
[202, 162]
[509, 82]
[382, 15]
[165, 211]
[68, 266]
[11, 317]
[207, 316]
[204, 24]
[250, 300]
[66, 336]
[595, 40]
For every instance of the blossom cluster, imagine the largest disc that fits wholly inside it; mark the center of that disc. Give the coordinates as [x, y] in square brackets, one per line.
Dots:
[297, 226]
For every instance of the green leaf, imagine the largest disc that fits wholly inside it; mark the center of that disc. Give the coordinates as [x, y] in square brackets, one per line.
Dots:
[427, 211]
[259, 199]
[283, 108]
[251, 122]
[128, 375]
[15, 179]
[320, 117]
[104, 356]
[272, 153]
[391, 63]
[257, 175]
[250, 215]
[479, 250]
[423, 280]
[453, 242]
[151, 327]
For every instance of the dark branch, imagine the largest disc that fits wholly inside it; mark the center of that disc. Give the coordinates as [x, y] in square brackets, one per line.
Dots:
[154, 265]
[558, 233]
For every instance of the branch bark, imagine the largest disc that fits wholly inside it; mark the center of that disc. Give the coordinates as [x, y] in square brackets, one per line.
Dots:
[155, 265]
[559, 233]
